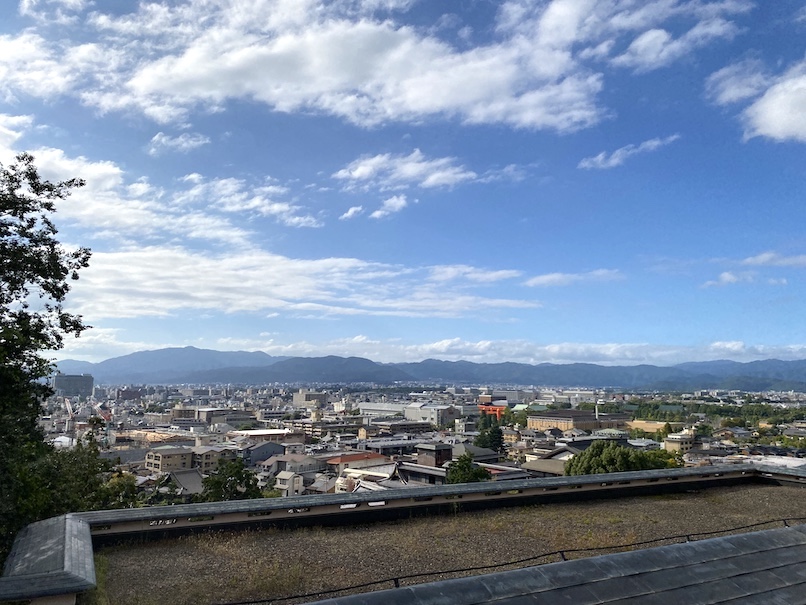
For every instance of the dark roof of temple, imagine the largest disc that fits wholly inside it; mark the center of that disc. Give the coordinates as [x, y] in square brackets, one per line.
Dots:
[764, 568]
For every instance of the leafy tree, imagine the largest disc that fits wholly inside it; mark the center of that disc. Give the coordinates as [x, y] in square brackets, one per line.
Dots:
[35, 275]
[482, 439]
[704, 430]
[496, 439]
[232, 481]
[462, 470]
[492, 438]
[609, 457]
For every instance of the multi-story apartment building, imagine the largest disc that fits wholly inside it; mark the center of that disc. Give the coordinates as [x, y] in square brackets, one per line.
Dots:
[168, 458]
[206, 458]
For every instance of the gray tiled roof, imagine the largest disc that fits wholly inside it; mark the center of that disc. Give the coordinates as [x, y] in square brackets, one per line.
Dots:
[763, 568]
[50, 557]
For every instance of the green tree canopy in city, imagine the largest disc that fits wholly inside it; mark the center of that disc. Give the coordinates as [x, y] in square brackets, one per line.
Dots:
[606, 456]
[492, 439]
[462, 470]
[232, 481]
[35, 277]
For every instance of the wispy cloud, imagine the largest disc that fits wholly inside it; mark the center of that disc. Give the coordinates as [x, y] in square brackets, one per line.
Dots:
[657, 48]
[387, 171]
[352, 213]
[619, 156]
[446, 273]
[184, 143]
[727, 278]
[390, 206]
[773, 259]
[567, 279]
[143, 281]
[737, 82]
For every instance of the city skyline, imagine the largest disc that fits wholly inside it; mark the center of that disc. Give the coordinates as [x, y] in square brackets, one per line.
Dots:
[611, 182]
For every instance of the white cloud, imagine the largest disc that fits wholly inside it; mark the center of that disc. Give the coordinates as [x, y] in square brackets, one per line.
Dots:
[446, 273]
[737, 82]
[773, 259]
[356, 60]
[184, 143]
[390, 206]
[727, 278]
[11, 129]
[619, 156]
[387, 171]
[144, 281]
[657, 48]
[567, 279]
[778, 107]
[26, 62]
[495, 351]
[352, 213]
[780, 113]
[54, 11]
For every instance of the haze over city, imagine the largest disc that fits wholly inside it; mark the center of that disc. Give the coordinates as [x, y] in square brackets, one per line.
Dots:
[614, 182]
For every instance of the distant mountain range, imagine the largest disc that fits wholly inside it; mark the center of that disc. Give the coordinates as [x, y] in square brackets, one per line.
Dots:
[190, 365]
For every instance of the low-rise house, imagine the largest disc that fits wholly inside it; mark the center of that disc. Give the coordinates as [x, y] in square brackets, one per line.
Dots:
[337, 464]
[289, 483]
[301, 464]
[253, 453]
[732, 433]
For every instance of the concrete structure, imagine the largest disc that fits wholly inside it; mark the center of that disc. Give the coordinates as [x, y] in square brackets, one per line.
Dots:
[305, 399]
[575, 419]
[434, 454]
[679, 442]
[207, 458]
[438, 415]
[165, 459]
[72, 385]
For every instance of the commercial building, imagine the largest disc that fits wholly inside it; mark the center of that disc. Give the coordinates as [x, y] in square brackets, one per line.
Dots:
[72, 385]
[566, 420]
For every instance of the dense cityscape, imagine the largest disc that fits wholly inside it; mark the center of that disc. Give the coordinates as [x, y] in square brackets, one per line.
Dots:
[297, 440]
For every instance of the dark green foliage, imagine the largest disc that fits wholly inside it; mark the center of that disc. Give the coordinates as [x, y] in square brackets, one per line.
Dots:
[35, 274]
[492, 439]
[462, 470]
[232, 481]
[608, 457]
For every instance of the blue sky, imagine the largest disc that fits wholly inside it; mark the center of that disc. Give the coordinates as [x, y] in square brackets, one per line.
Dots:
[610, 181]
